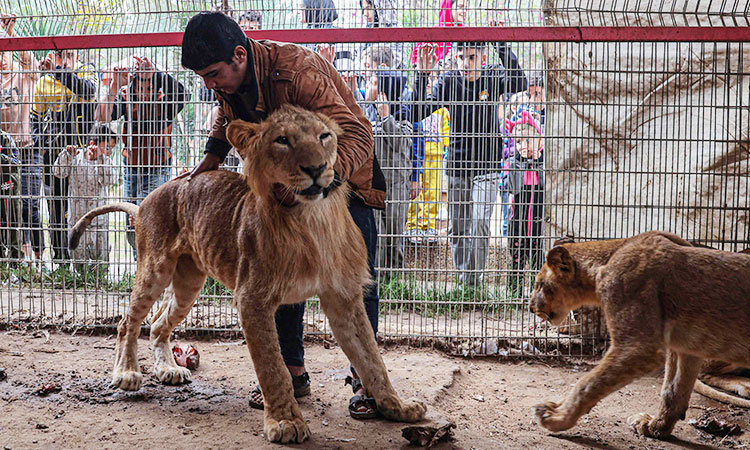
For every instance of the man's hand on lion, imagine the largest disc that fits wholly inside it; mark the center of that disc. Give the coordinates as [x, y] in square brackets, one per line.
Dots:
[209, 162]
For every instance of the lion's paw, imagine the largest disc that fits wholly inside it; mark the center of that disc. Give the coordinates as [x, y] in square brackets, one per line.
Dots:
[550, 417]
[128, 380]
[172, 375]
[645, 425]
[412, 411]
[398, 411]
[639, 423]
[743, 389]
[286, 431]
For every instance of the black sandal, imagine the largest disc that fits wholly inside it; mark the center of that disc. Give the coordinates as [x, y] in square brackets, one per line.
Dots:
[360, 401]
[300, 383]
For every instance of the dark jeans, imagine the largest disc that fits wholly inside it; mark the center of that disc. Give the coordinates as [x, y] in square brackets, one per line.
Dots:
[139, 182]
[57, 203]
[526, 234]
[11, 236]
[31, 191]
[289, 317]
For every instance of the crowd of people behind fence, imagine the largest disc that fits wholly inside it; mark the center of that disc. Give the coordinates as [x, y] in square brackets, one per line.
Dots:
[469, 118]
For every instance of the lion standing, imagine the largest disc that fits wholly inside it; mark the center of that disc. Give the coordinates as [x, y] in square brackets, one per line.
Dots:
[663, 299]
[277, 235]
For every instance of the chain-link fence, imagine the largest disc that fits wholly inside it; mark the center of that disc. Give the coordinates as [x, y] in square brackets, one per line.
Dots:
[491, 150]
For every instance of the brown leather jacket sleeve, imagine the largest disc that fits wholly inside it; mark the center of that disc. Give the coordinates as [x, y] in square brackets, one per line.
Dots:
[326, 93]
[219, 129]
[217, 138]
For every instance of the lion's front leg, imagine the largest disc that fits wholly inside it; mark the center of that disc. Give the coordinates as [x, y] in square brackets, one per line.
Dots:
[617, 369]
[283, 421]
[354, 333]
[680, 374]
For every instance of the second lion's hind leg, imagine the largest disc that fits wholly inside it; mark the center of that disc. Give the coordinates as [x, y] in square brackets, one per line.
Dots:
[178, 300]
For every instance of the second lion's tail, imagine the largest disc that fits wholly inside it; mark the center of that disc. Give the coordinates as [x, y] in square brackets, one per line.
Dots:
[74, 235]
[721, 396]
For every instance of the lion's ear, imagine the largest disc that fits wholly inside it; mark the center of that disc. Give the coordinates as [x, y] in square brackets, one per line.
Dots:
[242, 135]
[331, 124]
[559, 260]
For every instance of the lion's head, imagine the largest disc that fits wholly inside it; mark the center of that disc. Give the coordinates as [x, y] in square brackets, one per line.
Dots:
[290, 155]
[557, 291]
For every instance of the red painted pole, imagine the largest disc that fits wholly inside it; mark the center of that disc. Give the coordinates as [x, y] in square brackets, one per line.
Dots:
[436, 34]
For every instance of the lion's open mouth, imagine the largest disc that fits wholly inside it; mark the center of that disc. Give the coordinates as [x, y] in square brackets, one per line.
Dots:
[311, 191]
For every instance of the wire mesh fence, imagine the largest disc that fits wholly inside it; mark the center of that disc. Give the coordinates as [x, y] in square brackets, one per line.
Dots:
[138, 16]
[491, 151]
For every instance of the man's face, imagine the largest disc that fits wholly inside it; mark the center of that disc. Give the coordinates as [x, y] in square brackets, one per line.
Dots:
[470, 62]
[142, 85]
[68, 59]
[458, 11]
[223, 77]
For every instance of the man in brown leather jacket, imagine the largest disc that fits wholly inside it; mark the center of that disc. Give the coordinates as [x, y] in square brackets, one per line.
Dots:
[253, 78]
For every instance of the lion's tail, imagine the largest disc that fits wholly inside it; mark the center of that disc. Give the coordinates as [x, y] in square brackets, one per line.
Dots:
[74, 235]
[720, 396]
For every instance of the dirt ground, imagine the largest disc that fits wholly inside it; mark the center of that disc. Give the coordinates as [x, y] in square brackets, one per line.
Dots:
[489, 400]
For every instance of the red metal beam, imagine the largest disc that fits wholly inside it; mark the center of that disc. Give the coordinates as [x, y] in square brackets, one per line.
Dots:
[437, 34]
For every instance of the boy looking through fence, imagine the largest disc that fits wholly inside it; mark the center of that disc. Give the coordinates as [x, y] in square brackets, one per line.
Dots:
[474, 162]
[89, 173]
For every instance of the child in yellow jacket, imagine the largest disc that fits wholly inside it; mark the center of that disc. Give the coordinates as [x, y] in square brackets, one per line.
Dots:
[423, 211]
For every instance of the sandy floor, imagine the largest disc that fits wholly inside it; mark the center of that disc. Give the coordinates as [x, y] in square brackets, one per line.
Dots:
[489, 400]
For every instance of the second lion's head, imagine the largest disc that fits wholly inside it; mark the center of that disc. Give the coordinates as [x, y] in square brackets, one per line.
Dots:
[290, 154]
